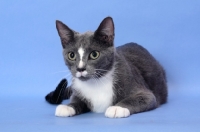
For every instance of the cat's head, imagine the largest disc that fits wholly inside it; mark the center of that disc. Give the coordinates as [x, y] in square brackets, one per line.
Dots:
[88, 55]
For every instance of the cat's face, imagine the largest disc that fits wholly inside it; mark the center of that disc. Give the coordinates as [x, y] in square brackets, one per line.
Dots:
[88, 55]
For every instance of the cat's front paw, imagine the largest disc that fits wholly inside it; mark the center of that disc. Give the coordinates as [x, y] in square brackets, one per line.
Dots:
[117, 112]
[64, 111]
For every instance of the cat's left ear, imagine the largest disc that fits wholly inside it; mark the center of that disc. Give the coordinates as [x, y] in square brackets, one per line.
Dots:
[105, 32]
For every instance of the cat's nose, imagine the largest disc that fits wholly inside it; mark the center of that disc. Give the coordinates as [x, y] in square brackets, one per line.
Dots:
[80, 69]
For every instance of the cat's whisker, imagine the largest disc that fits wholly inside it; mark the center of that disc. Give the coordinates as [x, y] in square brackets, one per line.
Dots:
[108, 78]
[100, 70]
[119, 91]
[60, 72]
[68, 75]
[116, 72]
[100, 79]
[65, 76]
[97, 83]
[102, 75]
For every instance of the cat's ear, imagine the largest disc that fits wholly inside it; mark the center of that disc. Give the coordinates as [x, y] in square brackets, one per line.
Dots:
[105, 31]
[65, 33]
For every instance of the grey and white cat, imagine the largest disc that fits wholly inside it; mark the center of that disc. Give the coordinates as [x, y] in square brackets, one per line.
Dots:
[117, 81]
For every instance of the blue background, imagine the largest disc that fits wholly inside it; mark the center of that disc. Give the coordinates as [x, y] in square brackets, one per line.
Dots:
[31, 60]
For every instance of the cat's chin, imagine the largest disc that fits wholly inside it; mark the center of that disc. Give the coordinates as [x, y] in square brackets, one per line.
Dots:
[83, 78]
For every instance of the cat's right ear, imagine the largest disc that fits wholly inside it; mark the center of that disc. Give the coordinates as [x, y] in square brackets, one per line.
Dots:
[65, 33]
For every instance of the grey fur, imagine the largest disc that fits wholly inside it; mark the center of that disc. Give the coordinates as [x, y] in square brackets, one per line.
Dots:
[140, 81]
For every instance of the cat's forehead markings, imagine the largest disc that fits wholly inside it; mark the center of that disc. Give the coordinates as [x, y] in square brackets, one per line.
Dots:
[81, 53]
[81, 50]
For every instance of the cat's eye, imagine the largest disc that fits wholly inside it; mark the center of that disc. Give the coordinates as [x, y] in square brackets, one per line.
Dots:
[72, 56]
[94, 55]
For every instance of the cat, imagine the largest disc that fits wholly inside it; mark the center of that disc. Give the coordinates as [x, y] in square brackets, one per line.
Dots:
[118, 81]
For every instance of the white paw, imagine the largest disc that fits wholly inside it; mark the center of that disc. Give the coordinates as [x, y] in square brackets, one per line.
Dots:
[64, 111]
[117, 112]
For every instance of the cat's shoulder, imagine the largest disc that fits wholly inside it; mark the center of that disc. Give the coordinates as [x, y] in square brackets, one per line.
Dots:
[131, 47]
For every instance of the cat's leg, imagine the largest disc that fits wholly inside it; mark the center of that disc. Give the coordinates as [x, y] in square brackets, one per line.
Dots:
[135, 103]
[75, 107]
[60, 93]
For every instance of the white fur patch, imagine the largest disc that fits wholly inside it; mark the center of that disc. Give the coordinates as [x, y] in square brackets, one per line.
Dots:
[84, 73]
[81, 53]
[117, 112]
[64, 111]
[98, 92]
[79, 74]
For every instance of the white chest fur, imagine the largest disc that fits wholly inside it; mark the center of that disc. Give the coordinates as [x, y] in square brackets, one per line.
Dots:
[98, 92]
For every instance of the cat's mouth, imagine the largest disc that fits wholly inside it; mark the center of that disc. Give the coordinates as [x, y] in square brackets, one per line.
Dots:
[82, 75]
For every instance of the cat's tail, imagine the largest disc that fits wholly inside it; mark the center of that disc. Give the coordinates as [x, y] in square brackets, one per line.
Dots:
[60, 93]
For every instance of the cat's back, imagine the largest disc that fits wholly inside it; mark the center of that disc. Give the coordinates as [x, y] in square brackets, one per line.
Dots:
[140, 60]
[136, 55]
